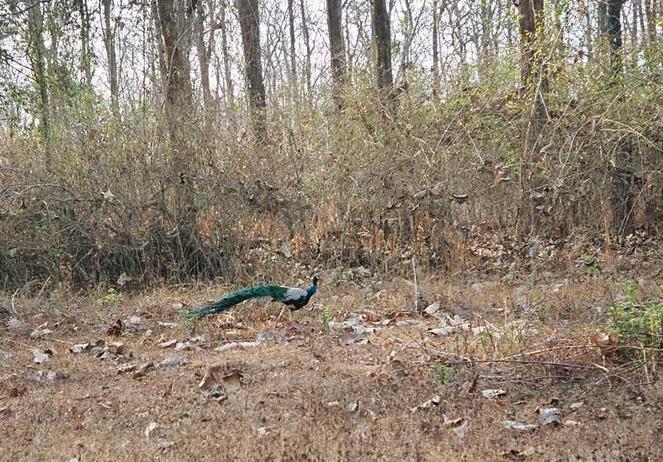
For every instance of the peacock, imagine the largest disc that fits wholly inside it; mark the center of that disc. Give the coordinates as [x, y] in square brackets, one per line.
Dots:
[293, 297]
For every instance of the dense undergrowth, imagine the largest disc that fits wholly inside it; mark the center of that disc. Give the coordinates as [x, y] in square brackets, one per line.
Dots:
[370, 186]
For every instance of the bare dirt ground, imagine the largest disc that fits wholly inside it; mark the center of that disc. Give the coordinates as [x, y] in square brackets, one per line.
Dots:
[357, 375]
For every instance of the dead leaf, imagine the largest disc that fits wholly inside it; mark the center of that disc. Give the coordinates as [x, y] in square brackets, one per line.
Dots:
[353, 406]
[142, 370]
[5, 411]
[108, 195]
[452, 422]
[80, 348]
[232, 380]
[126, 368]
[39, 333]
[432, 308]
[434, 401]
[165, 445]
[117, 348]
[210, 377]
[461, 432]
[17, 391]
[519, 426]
[550, 416]
[169, 343]
[180, 346]
[39, 357]
[233, 345]
[14, 324]
[217, 393]
[285, 250]
[442, 331]
[603, 340]
[493, 393]
[171, 361]
[576, 406]
[123, 279]
[150, 428]
[115, 329]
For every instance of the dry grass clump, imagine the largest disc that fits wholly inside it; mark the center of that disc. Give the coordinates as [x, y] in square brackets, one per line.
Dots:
[432, 180]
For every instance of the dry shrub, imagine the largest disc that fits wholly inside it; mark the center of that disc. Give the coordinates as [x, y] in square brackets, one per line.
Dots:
[372, 186]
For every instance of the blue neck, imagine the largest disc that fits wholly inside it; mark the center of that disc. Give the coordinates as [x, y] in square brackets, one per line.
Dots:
[311, 290]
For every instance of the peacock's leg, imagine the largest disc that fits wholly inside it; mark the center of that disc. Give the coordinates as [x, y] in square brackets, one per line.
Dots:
[280, 314]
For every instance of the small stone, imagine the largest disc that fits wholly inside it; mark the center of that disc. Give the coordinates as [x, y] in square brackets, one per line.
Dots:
[576, 406]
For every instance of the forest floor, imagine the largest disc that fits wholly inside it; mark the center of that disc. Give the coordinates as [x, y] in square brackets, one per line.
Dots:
[499, 370]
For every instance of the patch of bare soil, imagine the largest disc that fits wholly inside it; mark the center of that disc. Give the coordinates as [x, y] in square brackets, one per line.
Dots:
[491, 371]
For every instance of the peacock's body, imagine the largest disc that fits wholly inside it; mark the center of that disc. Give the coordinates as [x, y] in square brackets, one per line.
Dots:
[293, 297]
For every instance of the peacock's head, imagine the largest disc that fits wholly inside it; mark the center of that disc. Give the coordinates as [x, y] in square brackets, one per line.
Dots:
[316, 278]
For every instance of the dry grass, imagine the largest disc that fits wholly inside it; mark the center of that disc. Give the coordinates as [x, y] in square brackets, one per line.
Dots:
[314, 394]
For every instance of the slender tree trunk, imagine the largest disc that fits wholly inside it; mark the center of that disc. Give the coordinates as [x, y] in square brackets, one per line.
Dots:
[653, 11]
[436, 51]
[227, 70]
[382, 33]
[37, 52]
[486, 30]
[249, 22]
[337, 49]
[309, 52]
[109, 42]
[161, 54]
[203, 58]
[86, 52]
[292, 71]
[589, 33]
[530, 18]
[408, 26]
[610, 26]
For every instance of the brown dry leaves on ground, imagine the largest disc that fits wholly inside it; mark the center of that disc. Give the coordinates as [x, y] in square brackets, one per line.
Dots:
[488, 371]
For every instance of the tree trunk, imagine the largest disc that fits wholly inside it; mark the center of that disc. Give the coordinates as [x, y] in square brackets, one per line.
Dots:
[203, 53]
[436, 52]
[249, 22]
[109, 42]
[610, 26]
[530, 18]
[652, 10]
[292, 71]
[382, 33]
[86, 52]
[174, 22]
[37, 55]
[534, 85]
[337, 49]
[309, 52]
[408, 32]
[163, 69]
[227, 70]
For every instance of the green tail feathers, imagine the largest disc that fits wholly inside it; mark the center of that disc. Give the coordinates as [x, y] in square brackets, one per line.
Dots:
[233, 298]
